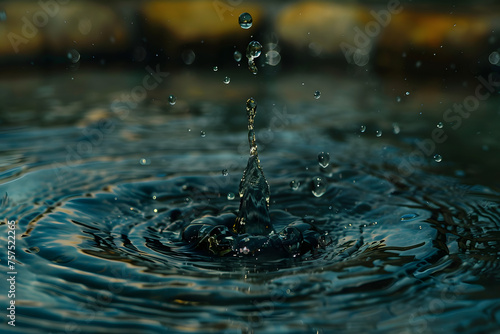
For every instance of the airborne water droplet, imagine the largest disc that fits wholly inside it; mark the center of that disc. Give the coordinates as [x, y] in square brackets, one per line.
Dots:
[294, 185]
[73, 56]
[398, 99]
[225, 172]
[318, 186]
[362, 128]
[237, 56]
[440, 125]
[245, 20]
[172, 99]
[203, 134]
[378, 133]
[324, 159]
[438, 158]
[230, 196]
[144, 161]
[227, 80]
[254, 49]
[395, 128]
[215, 68]
[317, 94]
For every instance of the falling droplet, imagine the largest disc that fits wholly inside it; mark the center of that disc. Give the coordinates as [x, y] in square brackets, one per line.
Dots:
[318, 186]
[440, 125]
[317, 94]
[230, 196]
[73, 56]
[225, 172]
[237, 56]
[215, 68]
[294, 185]
[172, 99]
[362, 128]
[245, 20]
[227, 80]
[254, 49]
[398, 99]
[494, 58]
[378, 133]
[324, 159]
[395, 128]
[418, 64]
[203, 134]
[438, 158]
[144, 161]
[407, 93]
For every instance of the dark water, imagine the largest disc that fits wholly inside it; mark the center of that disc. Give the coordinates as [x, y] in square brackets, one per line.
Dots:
[100, 197]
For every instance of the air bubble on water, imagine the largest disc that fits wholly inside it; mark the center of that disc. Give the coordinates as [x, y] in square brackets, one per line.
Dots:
[215, 68]
[294, 185]
[145, 161]
[225, 172]
[237, 56]
[73, 56]
[172, 99]
[317, 94]
[324, 159]
[398, 99]
[227, 80]
[438, 158]
[378, 133]
[408, 217]
[319, 186]
[362, 128]
[440, 125]
[230, 196]
[245, 20]
[494, 58]
[395, 128]
[203, 134]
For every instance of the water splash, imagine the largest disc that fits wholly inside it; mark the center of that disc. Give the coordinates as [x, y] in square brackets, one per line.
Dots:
[253, 214]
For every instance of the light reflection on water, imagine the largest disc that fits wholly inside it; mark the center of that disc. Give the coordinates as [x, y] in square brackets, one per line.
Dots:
[99, 232]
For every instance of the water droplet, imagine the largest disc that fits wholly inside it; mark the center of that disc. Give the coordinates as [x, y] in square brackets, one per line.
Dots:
[378, 133]
[245, 20]
[172, 99]
[418, 64]
[294, 185]
[318, 186]
[230, 196]
[407, 93]
[324, 159]
[398, 99]
[188, 56]
[203, 134]
[73, 56]
[362, 128]
[189, 130]
[145, 161]
[215, 68]
[254, 49]
[440, 125]
[225, 172]
[395, 128]
[408, 217]
[237, 56]
[438, 158]
[227, 80]
[494, 58]
[317, 94]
